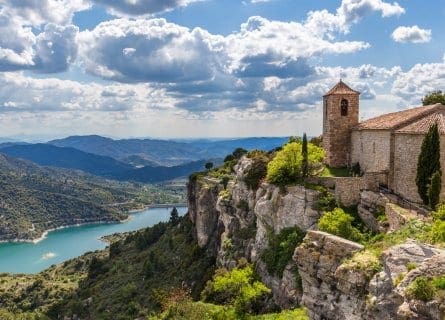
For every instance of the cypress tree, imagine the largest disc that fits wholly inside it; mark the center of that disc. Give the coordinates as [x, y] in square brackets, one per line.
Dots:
[434, 189]
[428, 162]
[304, 153]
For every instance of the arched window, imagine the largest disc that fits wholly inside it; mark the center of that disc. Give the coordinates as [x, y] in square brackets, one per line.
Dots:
[344, 107]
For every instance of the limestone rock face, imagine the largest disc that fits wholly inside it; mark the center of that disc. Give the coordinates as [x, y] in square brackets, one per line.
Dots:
[235, 223]
[329, 294]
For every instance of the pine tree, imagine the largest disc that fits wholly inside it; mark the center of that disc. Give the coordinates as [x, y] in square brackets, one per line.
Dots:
[428, 162]
[174, 216]
[304, 153]
[434, 189]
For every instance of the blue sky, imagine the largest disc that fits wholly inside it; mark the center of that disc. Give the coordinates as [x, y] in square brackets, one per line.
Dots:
[197, 68]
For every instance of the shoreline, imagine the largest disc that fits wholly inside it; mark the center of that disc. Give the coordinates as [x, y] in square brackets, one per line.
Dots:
[130, 212]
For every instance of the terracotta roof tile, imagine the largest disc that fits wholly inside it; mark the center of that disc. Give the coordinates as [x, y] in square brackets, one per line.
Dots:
[422, 125]
[341, 88]
[398, 120]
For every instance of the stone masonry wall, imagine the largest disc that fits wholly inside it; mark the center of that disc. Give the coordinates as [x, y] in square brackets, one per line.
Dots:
[371, 148]
[347, 190]
[337, 128]
[406, 153]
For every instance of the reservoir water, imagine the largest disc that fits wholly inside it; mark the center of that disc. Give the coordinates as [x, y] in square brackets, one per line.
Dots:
[67, 243]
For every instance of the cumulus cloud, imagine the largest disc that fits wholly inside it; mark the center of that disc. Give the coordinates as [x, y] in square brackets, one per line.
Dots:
[421, 79]
[19, 93]
[39, 12]
[141, 7]
[149, 50]
[349, 13]
[412, 34]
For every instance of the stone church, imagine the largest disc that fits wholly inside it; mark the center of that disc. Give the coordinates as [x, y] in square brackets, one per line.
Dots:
[388, 145]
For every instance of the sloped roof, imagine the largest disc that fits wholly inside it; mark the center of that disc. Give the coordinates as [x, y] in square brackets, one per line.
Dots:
[422, 125]
[341, 88]
[413, 120]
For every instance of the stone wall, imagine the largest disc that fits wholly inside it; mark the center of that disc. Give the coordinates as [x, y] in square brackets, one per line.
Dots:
[371, 148]
[347, 190]
[337, 128]
[406, 153]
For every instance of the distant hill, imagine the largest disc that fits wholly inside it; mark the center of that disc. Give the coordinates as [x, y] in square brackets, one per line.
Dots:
[34, 199]
[49, 155]
[164, 152]
[156, 151]
[149, 174]
[70, 158]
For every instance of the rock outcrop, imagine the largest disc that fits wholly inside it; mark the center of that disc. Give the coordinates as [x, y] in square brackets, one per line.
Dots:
[235, 223]
[337, 281]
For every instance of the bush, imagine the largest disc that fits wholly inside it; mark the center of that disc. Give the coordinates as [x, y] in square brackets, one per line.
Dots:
[281, 248]
[421, 289]
[339, 223]
[438, 231]
[257, 171]
[238, 287]
[286, 167]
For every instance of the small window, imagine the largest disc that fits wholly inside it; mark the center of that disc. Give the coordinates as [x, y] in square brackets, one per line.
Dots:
[344, 107]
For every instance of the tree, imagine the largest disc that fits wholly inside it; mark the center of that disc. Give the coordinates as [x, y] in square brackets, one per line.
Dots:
[434, 189]
[209, 165]
[174, 216]
[304, 162]
[433, 98]
[239, 152]
[225, 181]
[428, 162]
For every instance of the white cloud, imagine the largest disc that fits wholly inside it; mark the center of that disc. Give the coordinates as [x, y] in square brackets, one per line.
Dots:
[412, 34]
[40, 12]
[421, 79]
[149, 50]
[141, 7]
[349, 13]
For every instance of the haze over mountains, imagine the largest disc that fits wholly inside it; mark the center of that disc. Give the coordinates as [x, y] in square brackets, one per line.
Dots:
[142, 160]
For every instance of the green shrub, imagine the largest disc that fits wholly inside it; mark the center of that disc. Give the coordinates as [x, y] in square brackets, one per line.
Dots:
[439, 282]
[411, 266]
[438, 231]
[281, 248]
[339, 223]
[257, 171]
[421, 288]
[326, 201]
[237, 287]
[286, 167]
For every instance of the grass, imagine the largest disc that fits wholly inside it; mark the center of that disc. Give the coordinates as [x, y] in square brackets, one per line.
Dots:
[335, 172]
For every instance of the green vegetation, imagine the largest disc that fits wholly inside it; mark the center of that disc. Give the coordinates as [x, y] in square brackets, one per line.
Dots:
[339, 223]
[366, 261]
[238, 287]
[281, 248]
[286, 167]
[434, 189]
[428, 164]
[433, 98]
[336, 172]
[305, 161]
[326, 201]
[421, 288]
[258, 170]
[186, 309]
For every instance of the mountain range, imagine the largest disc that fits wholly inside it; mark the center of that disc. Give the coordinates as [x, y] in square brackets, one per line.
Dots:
[141, 160]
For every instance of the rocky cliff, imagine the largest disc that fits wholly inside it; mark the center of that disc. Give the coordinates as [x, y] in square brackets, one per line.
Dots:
[332, 277]
[234, 223]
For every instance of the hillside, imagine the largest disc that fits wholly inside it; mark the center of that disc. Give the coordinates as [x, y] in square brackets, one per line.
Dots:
[49, 155]
[107, 167]
[35, 199]
[164, 152]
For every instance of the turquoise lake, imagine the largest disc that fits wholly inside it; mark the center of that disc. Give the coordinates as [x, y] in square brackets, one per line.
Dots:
[67, 243]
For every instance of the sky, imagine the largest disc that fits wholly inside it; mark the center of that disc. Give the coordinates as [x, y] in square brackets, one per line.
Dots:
[209, 68]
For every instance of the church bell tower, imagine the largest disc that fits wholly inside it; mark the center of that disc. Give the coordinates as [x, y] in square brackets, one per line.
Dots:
[340, 115]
